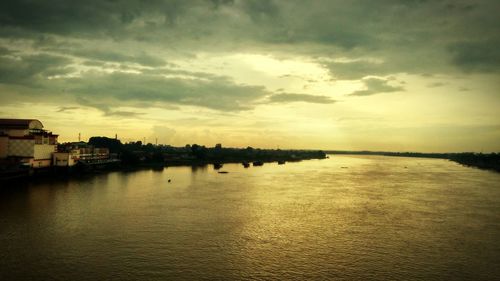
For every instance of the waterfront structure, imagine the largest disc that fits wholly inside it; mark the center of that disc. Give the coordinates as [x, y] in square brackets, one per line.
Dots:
[65, 159]
[71, 153]
[24, 141]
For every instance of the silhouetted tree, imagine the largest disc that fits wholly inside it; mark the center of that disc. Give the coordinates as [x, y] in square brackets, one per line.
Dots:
[200, 152]
[114, 145]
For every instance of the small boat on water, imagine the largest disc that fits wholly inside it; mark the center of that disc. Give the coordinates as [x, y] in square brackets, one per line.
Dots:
[246, 164]
[223, 172]
[258, 163]
[281, 162]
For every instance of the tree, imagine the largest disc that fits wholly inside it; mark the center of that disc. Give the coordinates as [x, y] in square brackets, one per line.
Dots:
[200, 152]
[114, 145]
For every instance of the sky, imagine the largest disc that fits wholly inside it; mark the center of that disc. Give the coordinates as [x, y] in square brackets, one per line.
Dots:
[391, 75]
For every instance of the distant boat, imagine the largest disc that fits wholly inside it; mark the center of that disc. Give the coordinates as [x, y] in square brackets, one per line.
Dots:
[223, 172]
[281, 162]
[217, 166]
[258, 163]
[246, 164]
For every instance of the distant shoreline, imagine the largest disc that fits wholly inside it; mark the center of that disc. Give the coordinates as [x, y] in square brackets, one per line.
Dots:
[484, 161]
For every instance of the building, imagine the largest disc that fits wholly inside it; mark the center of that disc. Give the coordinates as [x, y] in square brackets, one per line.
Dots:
[72, 152]
[65, 159]
[26, 142]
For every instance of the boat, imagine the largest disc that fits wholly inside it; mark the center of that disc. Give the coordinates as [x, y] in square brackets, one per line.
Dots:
[246, 164]
[281, 162]
[223, 172]
[258, 163]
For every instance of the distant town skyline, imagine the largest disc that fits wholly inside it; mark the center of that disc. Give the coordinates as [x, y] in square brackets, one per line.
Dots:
[383, 75]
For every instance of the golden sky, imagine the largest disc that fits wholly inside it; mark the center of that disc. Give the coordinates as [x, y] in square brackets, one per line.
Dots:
[345, 75]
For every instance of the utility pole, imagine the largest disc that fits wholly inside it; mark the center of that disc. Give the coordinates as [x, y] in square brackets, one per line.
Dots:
[79, 137]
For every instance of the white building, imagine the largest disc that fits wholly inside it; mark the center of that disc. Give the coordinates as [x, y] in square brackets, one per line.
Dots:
[25, 140]
[65, 159]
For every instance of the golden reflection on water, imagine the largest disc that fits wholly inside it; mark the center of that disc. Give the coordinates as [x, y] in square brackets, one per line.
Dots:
[347, 217]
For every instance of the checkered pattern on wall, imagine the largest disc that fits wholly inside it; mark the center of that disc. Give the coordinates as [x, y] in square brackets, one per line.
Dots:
[21, 148]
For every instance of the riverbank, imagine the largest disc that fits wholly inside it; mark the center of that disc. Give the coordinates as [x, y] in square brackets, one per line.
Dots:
[138, 161]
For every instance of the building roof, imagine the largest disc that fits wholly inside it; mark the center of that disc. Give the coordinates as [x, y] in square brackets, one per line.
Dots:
[21, 124]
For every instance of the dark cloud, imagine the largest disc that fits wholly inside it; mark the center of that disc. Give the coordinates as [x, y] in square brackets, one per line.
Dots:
[5, 51]
[67, 108]
[358, 69]
[476, 56]
[435, 84]
[260, 10]
[113, 56]
[124, 114]
[83, 18]
[286, 98]
[94, 63]
[101, 90]
[376, 86]
[105, 108]
[94, 103]
[179, 72]
[29, 70]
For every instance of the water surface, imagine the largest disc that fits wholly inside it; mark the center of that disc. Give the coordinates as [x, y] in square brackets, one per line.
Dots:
[343, 218]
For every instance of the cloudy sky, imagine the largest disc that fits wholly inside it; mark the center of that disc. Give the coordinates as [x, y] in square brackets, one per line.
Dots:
[398, 75]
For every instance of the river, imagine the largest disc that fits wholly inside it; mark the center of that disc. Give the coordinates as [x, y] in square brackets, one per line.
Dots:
[343, 218]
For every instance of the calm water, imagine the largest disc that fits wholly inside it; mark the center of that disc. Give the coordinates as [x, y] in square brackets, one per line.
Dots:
[313, 220]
